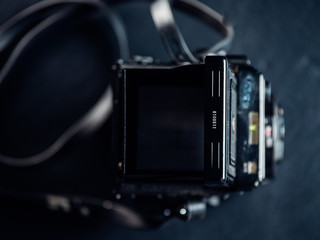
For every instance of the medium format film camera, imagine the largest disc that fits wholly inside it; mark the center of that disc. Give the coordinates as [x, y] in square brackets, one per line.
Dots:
[195, 132]
[185, 134]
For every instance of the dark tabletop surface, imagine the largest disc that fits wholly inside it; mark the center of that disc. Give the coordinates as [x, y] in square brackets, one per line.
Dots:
[282, 40]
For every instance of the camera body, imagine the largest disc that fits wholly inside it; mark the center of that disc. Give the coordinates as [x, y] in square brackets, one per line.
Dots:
[194, 130]
[184, 135]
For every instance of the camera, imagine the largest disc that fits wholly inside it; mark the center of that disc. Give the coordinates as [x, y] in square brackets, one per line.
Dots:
[194, 131]
[185, 135]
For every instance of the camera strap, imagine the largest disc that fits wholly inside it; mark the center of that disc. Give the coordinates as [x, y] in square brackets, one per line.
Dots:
[171, 36]
[19, 31]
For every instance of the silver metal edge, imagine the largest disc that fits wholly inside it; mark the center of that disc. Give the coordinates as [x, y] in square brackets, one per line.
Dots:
[262, 154]
[224, 120]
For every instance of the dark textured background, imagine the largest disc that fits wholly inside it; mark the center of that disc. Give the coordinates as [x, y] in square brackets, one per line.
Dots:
[282, 40]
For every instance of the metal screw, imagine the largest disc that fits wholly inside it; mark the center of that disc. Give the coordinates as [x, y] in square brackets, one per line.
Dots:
[167, 212]
[183, 211]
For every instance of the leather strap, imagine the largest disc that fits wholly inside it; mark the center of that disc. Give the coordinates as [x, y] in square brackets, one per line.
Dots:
[171, 36]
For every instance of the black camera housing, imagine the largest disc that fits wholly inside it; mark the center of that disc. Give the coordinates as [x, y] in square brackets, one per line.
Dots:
[231, 102]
